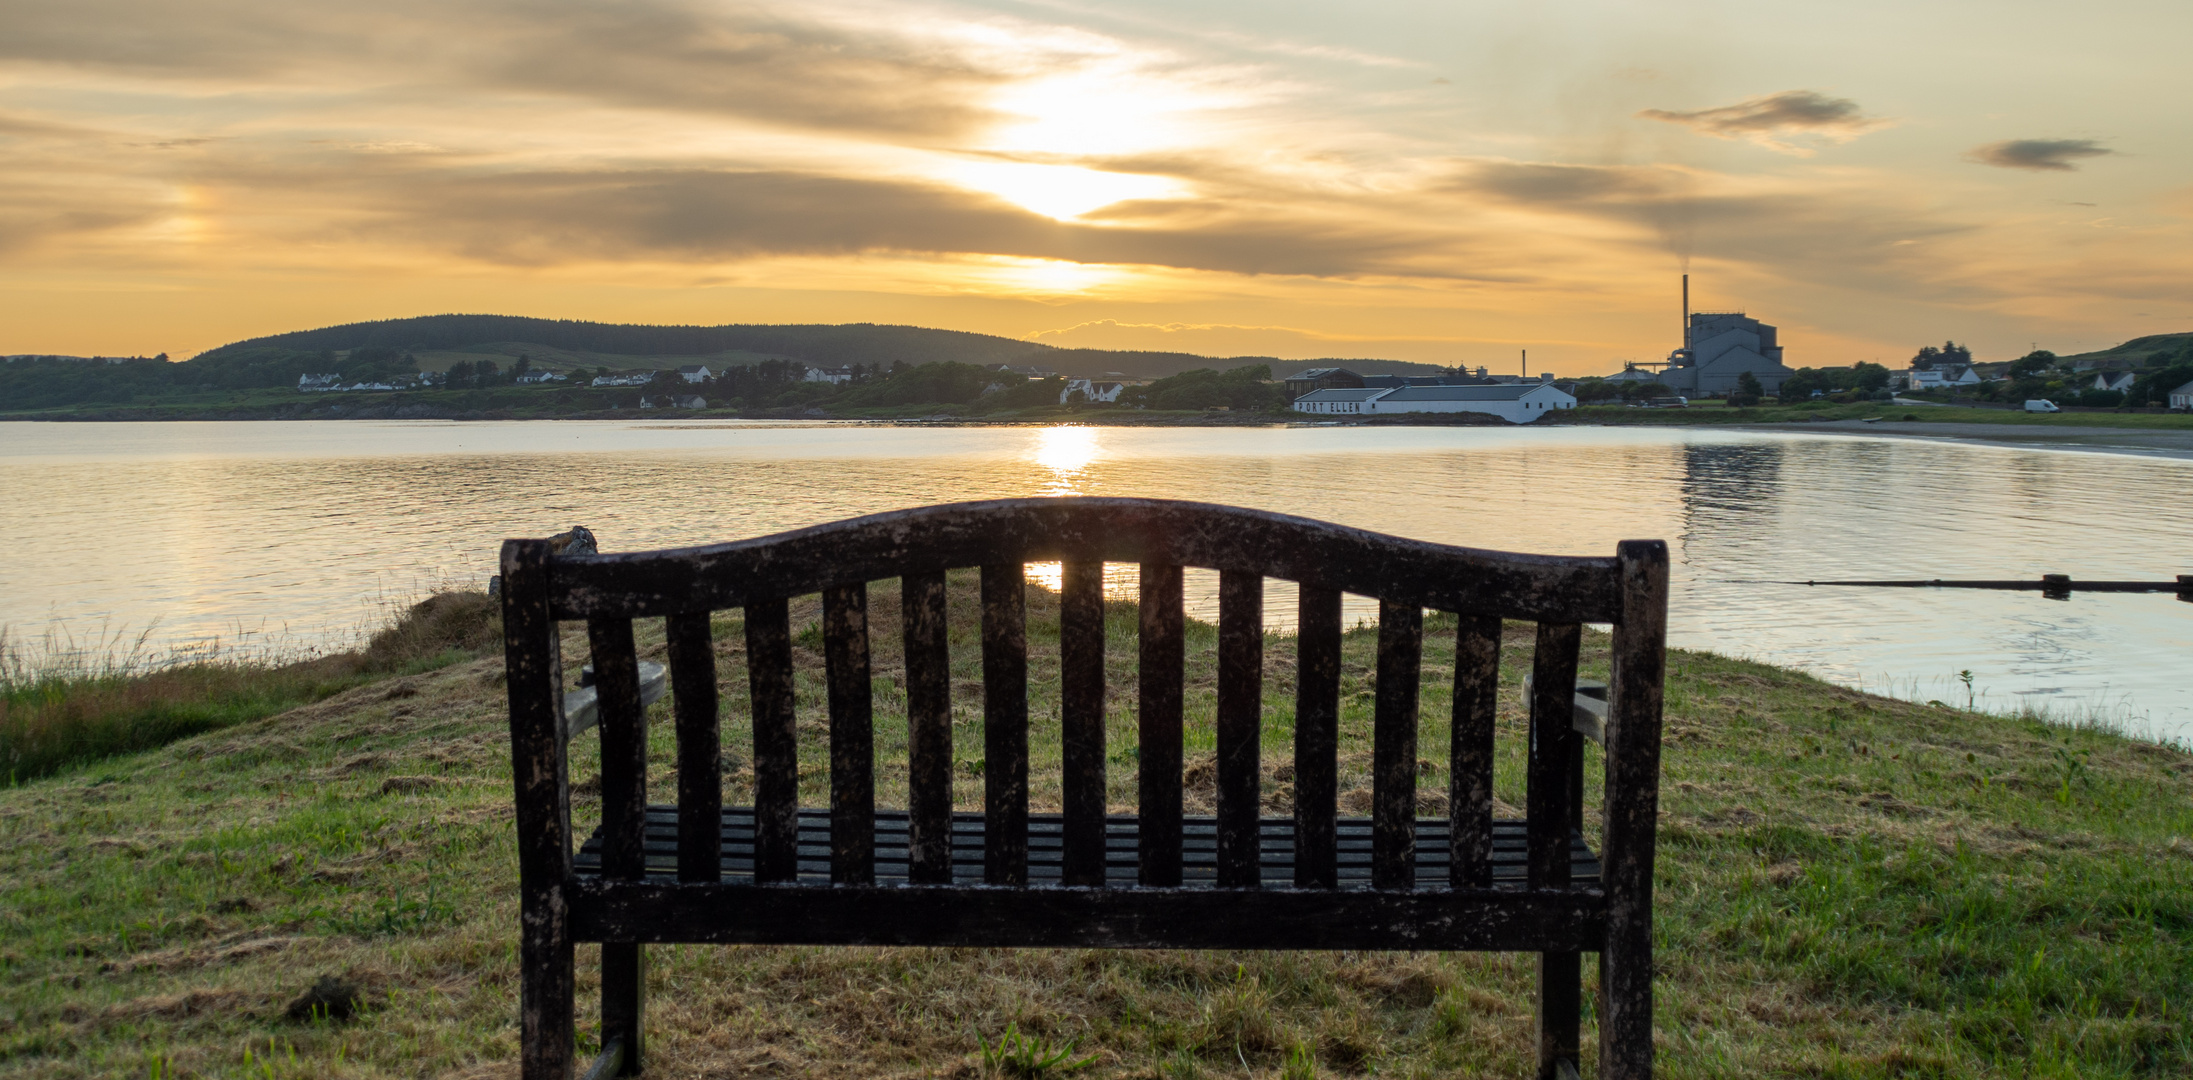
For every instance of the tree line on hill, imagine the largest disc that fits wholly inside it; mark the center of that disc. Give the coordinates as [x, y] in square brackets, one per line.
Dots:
[46, 382]
[969, 388]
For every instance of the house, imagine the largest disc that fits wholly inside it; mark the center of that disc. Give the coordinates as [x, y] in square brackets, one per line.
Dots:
[2113, 380]
[537, 378]
[694, 373]
[641, 378]
[1028, 371]
[2182, 397]
[835, 376]
[316, 384]
[1322, 378]
[1942, 377]
[1517, 403]
[691, 401]
[1091, 391]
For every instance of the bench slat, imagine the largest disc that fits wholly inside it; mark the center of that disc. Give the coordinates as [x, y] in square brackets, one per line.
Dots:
[1316, 735]
[1275, 850]
[846, 667]
[929, 725]
[624, 744]
[1470, 748]
[1163, 661]
[1005, 723]
[1393, 744]
[1081, 717]
[776, 738]
[1552, 745]
[692, 658]
[1240, 724]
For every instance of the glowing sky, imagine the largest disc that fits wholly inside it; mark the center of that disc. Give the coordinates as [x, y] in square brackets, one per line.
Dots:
[1432, 181]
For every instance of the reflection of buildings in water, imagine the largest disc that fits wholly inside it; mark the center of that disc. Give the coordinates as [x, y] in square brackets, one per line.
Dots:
[1728, 492]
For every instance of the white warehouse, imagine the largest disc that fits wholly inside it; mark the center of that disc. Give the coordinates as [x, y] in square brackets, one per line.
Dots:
[1517, 403]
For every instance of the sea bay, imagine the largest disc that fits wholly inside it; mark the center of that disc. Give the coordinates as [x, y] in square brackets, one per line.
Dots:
[291, 536]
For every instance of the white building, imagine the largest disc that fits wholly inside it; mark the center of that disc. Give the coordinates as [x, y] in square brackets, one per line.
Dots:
[639, 379]
[537, 377]
[1091, 391]
[1943, 376]
[1517, 403]
[312, 384]
[2113, 380]
[835, 376]
[2182, 397]
[694, 373]
[1337, 401]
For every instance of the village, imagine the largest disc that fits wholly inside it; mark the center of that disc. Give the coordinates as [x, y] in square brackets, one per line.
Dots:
[1728, 357]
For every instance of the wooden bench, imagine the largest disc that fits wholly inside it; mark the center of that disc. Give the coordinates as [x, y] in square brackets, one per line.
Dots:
[851, 874]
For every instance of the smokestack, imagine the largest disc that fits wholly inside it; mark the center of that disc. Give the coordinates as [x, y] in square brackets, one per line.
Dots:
[1526, 371]
[1686, 313]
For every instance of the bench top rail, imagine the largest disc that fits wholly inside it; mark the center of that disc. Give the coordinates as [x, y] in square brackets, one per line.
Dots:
[1545, 588]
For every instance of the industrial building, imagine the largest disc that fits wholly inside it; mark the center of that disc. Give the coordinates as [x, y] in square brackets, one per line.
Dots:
[1719, 349]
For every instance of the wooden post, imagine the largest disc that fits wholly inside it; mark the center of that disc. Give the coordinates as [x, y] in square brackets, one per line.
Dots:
[1163, 644]
[1552, 769]
[624, 824]
[1632, 753]
[533, 664]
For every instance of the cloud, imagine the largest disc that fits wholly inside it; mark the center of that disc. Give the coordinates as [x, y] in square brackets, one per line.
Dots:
[546, 217]
[1846, 233]
[2038, 155]
[805, 70]
[1770, 120]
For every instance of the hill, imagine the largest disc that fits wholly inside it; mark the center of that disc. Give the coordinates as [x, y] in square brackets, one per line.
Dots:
[561, 344]
[2140, 350]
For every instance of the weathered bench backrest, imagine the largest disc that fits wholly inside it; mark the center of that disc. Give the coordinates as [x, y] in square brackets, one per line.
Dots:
[1406, 577]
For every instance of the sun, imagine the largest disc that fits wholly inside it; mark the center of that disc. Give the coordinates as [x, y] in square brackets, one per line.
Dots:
[1061, 192]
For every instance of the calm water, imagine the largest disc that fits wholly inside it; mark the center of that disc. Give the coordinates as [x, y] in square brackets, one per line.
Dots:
[300, 534]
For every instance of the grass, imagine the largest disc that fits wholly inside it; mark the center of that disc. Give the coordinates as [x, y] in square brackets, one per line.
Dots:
[65, 713]
[1707, 412]
[1850, 886]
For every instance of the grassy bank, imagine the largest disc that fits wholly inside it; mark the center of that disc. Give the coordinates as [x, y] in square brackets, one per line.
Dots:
[54, 717]
[1850, 886]
[1715, 412]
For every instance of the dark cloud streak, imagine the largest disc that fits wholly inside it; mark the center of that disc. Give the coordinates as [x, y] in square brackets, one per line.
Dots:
[1806, 111]
[2037, 155]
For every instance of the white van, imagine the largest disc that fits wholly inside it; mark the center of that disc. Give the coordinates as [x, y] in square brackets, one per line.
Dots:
[2041, 405]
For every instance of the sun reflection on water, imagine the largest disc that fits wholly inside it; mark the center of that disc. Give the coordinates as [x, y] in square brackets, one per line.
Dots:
[1067, 452]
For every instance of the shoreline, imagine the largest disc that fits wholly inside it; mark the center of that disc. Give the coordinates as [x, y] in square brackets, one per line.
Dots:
[2038, 434]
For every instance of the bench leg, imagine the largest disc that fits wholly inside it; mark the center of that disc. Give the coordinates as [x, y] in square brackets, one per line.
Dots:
[547, 988]
[624, 1000]
[1560, 1008]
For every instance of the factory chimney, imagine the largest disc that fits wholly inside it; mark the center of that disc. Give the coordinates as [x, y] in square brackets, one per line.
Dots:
[1686, 315]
